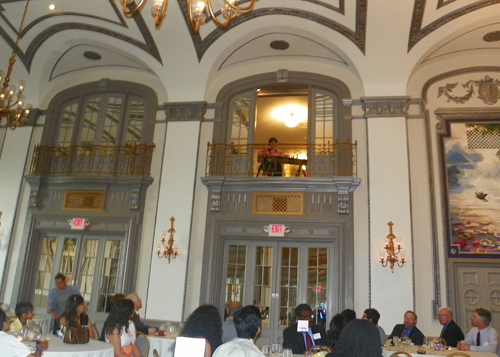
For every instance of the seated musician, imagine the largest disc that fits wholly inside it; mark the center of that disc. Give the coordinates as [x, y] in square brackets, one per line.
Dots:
[269, 166]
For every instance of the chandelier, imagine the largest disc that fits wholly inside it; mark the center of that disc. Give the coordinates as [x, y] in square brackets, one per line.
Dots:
[199, 12]
[390, 253]
[12, 101]
[166, 248]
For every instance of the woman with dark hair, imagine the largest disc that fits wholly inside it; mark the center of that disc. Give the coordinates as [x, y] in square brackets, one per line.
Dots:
[337, 323]
[359, 338]
[120, 330]
[75, 314]
[205, 322]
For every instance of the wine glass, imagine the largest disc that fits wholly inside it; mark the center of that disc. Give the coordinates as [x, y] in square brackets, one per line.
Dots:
[276, 348]
[287, 352]
[266, 350]
[432, 344]
[396, 341]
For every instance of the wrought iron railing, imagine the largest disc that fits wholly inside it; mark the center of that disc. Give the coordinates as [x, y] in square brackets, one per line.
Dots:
[305, 160]
[92, 160]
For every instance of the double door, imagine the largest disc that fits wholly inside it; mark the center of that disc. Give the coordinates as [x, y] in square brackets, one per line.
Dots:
[276, 276]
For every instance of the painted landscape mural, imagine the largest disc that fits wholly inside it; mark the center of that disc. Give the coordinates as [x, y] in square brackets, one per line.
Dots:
[472, 157]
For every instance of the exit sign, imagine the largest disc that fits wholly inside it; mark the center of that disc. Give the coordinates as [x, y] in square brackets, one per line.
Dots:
[79, 223]
[276, 230]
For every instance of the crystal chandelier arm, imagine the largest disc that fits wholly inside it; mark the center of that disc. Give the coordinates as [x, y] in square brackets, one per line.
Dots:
[240, 8]
[158, 11]
[138, 7]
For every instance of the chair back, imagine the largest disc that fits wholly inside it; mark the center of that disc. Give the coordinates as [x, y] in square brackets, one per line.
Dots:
[401, 353]
[459, 354]
[142, 342]
[95, 332]
[155, 353]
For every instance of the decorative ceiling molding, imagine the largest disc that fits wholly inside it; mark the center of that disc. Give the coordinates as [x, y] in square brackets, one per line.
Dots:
[340, 9]
[442, 3]
[358, 37]
[417, 32]
[149, 45]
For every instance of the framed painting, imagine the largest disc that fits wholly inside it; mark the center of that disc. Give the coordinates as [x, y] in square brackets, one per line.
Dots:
[470, 165]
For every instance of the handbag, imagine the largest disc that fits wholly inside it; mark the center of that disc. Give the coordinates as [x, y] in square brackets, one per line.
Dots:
[76, 335]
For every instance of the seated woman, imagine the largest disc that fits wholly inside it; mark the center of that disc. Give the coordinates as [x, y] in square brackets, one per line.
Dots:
[205, 322]
[75, 314]
[120, 330]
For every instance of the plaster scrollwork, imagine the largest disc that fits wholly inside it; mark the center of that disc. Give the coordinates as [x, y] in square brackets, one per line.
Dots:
[384, 107]
[185, 111]
[487, 90]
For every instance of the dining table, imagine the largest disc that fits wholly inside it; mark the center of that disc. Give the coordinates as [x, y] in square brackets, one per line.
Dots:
[57, 348]
[412, 350]
[163, 344]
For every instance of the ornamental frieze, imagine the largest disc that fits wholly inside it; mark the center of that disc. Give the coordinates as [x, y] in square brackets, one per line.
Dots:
[487, 90]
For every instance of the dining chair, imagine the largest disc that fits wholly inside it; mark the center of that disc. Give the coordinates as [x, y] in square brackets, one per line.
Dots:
[401, 353]
[459, 354]
[155, 353]
[95, 332]
[142, 342]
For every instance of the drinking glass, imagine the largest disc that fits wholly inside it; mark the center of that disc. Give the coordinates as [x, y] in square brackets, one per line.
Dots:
[432, 344]
[276, 348]
[397, 342]
[426, 341]
[287, 352]
[266, 350]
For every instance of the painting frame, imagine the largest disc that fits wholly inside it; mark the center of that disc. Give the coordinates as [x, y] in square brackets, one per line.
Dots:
[468, 230]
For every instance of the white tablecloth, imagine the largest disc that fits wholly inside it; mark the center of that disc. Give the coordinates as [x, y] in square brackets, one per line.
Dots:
[413, 351]
[162, 345]
[92, 349]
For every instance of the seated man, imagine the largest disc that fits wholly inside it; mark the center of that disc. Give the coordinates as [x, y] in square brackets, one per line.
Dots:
[11, 346]
[408, 329]
[482, 337]
[451, 332]
[24, 312]
[269, 166]
[300, 341]
[228, 328]
[247, 322]
[139, 325]
[373, 316]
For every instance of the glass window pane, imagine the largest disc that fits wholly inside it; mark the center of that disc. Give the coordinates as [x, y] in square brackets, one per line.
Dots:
[68, 259]
[324, 119]
[263, 281]
[240, 120]
[87, 268]
[90, 120]
[288, 285]
[67, 124]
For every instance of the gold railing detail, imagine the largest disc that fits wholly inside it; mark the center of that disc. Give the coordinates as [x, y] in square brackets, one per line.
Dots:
[92, 160]
[304, 160]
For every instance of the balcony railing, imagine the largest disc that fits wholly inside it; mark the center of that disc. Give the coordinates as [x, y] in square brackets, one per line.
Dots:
[305, 160]
[92, 160]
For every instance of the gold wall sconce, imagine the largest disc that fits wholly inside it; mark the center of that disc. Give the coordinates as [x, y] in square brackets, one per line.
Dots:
[166, 248]
[391, 250]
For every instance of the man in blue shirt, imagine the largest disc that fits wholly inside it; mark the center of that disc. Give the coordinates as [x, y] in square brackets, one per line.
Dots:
[58, 296]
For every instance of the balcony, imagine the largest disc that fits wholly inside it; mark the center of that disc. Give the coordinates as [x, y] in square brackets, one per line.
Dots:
[298, 160]
[92, 160]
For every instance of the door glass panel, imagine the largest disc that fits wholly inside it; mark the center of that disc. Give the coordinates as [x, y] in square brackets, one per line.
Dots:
[324, 119]
[68, 258]
[133, 134]
[67, 125]
[235, 279]
[240, 120]
[111, 120]
[263, 281]
[317, 283]
[45, 269]
[88, 262]
[288, 285]
[90, 119]
[109, 273]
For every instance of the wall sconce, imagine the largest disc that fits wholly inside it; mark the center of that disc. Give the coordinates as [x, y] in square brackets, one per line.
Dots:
[391, 251]
[166, 248]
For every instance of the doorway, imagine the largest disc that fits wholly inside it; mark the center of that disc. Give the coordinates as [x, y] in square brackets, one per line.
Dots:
[276, 276]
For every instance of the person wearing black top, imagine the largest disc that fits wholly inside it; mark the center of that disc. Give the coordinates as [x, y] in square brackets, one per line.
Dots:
[408, 329]
[299, 341]
[451, 332]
